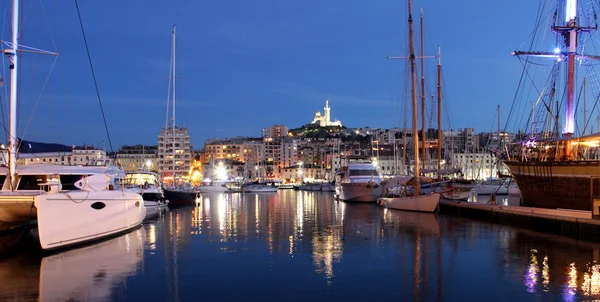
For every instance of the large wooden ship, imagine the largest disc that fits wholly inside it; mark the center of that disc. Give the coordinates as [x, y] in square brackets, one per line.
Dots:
[555, 164]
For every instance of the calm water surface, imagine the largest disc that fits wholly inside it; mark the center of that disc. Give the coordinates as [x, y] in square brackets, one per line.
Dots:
[304, 246]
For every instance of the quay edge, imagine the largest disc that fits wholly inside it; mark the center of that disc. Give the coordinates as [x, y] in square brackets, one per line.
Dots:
[559, 222]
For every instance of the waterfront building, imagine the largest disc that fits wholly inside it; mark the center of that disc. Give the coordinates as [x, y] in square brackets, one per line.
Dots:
[138, 157]
[300, 173]
[324, 120]
[177, 144]
[461, 140]
[275, 131]
[79, 155]
[288, 153]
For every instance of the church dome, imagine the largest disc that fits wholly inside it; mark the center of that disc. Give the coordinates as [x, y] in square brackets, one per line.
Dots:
[318, 113]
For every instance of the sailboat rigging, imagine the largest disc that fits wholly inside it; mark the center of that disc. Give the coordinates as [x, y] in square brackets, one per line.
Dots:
[175, 195]
[416, 202]
[552, 169]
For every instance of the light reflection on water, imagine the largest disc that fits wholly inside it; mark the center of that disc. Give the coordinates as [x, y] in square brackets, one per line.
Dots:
[304, 246]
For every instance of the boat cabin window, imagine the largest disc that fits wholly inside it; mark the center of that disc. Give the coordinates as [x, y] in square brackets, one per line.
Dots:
[139, 179]
[68, 181]
[31, 182]
[363, 173]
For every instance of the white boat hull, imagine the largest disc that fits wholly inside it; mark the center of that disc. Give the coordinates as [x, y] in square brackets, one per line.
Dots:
[259, 189]
[485, 189]
[422, 203]
[154, 208]
[71, 218]
[456, 195]
[359, 192]
[212, 189]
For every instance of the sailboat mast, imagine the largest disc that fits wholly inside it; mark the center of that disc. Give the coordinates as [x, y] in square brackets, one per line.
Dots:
[439, 110]
[584, 107]
[423, 92]
[413, 78]
[571, 24]
[14, 59]
[173, 118]
[498, 122]
[404, 139]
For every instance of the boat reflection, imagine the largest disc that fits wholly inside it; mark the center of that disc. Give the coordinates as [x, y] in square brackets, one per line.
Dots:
[422, 223]
[88, 273]
[91, 272]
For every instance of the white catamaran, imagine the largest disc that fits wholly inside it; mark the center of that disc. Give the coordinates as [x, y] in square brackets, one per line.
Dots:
[72, 204]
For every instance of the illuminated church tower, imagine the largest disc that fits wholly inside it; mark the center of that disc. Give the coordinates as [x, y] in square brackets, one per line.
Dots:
[325, 119]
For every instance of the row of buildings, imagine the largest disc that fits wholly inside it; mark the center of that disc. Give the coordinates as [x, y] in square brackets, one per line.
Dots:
[314, 151]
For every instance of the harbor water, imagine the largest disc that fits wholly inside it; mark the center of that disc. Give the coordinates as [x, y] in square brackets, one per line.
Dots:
[305, 246]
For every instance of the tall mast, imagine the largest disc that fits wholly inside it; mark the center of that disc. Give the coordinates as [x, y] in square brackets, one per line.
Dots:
[173, 118]
[584, 108]
[498, 122]
[571, 31]
[404, 139]
[439, 109]
[423, 93]
[12, 53]
[413, 78]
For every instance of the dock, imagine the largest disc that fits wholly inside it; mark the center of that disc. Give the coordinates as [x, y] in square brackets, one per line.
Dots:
[575, 224]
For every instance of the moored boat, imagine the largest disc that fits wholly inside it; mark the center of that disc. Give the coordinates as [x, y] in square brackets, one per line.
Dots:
[258, 188]
[421, 203]
[149, 186]
[411, 198]
[555, 165]
[358, 181]
[72, 204]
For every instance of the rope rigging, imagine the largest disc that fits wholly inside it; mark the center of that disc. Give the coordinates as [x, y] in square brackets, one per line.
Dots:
[94, 76]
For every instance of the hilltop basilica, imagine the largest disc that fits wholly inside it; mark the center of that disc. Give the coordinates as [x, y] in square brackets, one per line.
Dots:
[324, 120]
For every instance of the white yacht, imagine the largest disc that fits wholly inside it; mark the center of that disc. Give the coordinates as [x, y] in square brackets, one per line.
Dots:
[213, 187]
[358, 181]
[149, 186]
[259, 188]
[72, 204]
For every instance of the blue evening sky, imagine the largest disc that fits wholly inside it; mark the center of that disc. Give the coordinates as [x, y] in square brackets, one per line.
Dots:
[246, 65]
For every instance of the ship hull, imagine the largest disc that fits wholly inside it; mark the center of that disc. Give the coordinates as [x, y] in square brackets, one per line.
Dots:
[179, 197]
[557, 185]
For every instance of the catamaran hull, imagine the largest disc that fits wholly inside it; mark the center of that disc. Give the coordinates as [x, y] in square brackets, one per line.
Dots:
[557, 185]
[422, 203]
[66, 219]
[359, 192]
